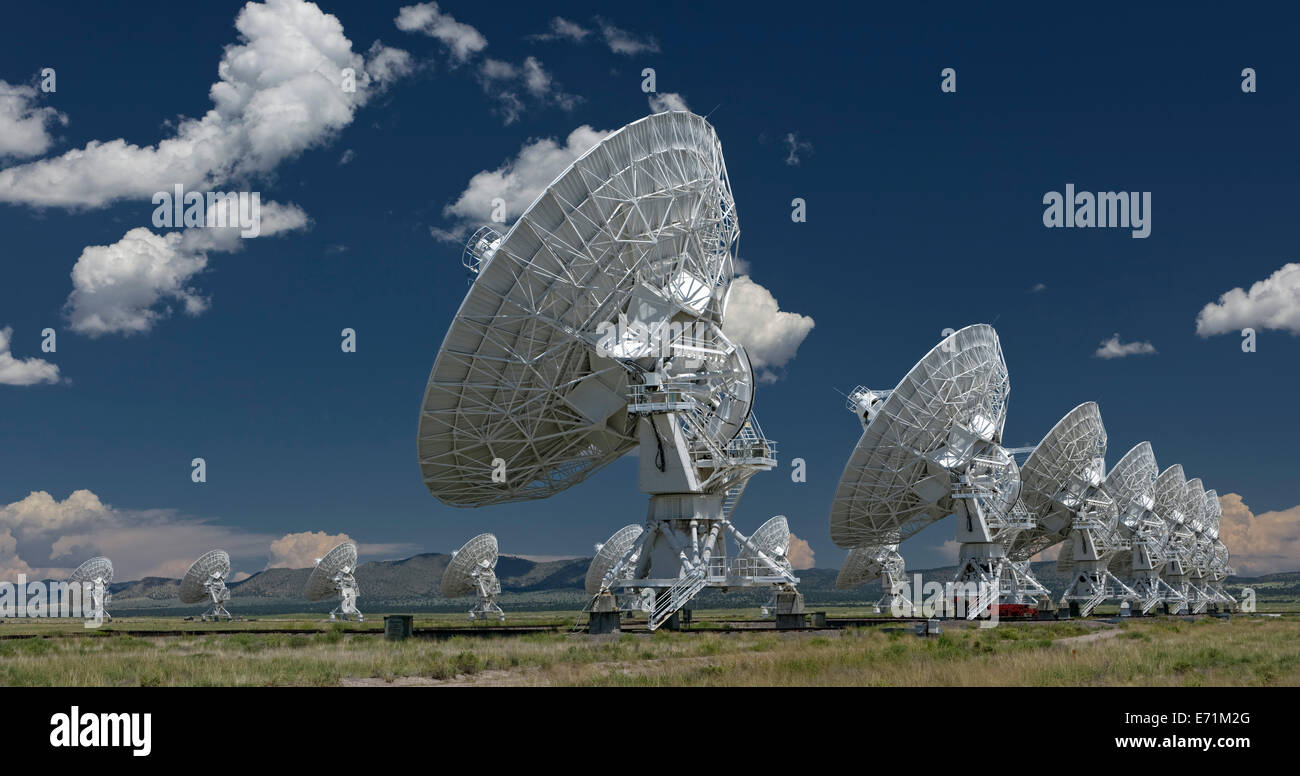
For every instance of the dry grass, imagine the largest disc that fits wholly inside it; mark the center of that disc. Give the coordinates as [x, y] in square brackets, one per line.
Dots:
[1244, 651]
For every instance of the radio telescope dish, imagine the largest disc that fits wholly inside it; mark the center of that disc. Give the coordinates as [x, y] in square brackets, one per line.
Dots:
[932, 447]
[1140, 559]
[1062, 485]
[335, 575]
[615, 559]
[593, 326]
[94, 576]
[472, 570]
[1171, 505]
[1215, 552]
[1197, 558]
[951, 401]
[868, 564]
[206, 581]
[771, 539]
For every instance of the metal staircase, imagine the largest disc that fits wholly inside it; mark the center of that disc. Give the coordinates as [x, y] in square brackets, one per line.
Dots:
[668, 602]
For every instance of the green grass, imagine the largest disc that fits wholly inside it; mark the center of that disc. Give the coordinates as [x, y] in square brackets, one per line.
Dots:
[1207, 651]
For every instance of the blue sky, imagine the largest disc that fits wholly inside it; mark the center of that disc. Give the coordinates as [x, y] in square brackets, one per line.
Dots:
[924, 212]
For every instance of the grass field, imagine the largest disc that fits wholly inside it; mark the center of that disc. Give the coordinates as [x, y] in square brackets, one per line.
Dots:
[1207, 651]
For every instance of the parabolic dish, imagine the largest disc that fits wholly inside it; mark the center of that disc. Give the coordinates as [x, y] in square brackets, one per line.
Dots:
[456, 580]
[772, 538]
[214, 562]
[100, 568]
[1171, 495]
[1060, 468]
[868, 564]
[341, 559]
[888, 492]
[518, 377]
[1213, 513]
[1132, 482]
[1195, 509]
[609, 554]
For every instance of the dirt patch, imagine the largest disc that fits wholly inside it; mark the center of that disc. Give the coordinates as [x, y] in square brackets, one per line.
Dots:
[1071, 641]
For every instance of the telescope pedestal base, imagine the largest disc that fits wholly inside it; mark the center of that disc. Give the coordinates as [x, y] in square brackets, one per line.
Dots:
[604, 616]
[789, 610]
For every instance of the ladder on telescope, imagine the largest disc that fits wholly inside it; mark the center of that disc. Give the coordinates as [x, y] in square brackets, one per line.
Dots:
[677, 596]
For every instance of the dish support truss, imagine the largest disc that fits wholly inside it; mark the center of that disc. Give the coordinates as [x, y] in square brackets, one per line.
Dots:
[985, 488]
[98, 599]
[488, 586]
[218, 593]
[694, 484]
[346, 585]
[1087, 552]
[886, 563]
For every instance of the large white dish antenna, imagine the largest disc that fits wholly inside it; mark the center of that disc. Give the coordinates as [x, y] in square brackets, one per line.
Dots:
[94, 576]
[206, 581]
[951, 400]
[472, 570]
[322, 583]
[477, 553]
[1061, 477]
[1171, 496]
[610, 554]
[771, 539]
[98, 569]
[335, 575]
[210, 567]
[532, 379]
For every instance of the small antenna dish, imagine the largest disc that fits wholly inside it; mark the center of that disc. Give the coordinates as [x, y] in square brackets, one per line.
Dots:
[616, 560]
[335, 575]
[472, 570]
[868, 564]
[94, 576]
[206, 581]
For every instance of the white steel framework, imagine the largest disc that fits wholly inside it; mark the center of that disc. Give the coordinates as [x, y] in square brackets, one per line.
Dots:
[1140, 559]
[206, 581]
[594, 325]
[1171, 505]
[868, 564]
[333, 575]
[472, 571]
[94, 576]
[932, 447]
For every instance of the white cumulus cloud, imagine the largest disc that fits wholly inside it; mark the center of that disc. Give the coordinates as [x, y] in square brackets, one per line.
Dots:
[24, 125]
[129, 286]
[1113, 348]
[41, 536]
[281, 91]
[621, 41]
[518, 181]
[771, 336]
[1272, 303]
[462, 40]
[800, 554]
[1259, 544]
[23, 371]
[302, 550]
[660, 102]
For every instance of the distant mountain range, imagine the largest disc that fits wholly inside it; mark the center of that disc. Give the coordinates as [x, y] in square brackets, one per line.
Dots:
[412, 585]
